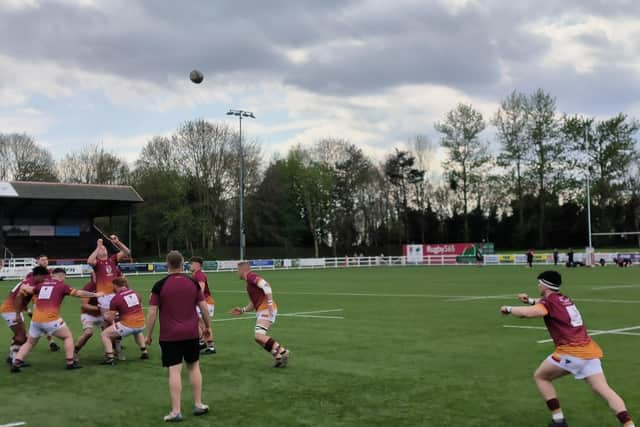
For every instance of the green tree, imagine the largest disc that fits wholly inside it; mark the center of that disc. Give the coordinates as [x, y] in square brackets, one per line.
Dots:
[467, 154]
[511, 125]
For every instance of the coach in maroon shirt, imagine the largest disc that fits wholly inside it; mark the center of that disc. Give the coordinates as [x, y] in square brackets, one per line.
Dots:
[175, 298]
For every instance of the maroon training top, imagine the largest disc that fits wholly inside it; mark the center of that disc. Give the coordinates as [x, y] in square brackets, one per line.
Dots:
[176, 297]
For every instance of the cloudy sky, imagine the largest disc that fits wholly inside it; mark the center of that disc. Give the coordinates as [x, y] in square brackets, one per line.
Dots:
[377, 72]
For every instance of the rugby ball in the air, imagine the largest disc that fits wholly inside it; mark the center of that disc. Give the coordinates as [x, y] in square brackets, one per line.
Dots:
[196, 77]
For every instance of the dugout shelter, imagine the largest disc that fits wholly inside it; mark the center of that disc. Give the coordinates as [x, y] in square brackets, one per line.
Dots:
[58, 219]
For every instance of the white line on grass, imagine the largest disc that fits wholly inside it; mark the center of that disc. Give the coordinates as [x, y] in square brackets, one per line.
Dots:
[298, 314]
[458, 299]
[19, 423]
[606, 288]
[591, 331]
[524, 327]
[607, 332]
[436, 296]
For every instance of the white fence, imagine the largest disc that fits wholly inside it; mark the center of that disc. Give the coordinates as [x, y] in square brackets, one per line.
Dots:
[18, 268]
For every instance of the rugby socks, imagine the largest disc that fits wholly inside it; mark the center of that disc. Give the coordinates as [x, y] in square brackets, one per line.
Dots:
[556, 412]
[625, 419]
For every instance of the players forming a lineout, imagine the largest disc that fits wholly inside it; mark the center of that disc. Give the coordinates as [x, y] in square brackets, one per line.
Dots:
[105, 269]
[46, 319]
[576, 353]
[261, 301]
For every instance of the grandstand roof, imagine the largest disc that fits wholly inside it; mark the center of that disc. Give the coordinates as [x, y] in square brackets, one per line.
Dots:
[54, 190]
[86, 200]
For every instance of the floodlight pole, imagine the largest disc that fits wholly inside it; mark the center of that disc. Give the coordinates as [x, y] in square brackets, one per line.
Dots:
[586, 140]
[240, 114]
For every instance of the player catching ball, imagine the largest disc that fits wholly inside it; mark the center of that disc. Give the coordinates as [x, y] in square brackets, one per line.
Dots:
[576, 353]
[261, 301]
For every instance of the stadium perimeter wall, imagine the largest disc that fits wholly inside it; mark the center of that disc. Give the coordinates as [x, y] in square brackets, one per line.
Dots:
[18, 268]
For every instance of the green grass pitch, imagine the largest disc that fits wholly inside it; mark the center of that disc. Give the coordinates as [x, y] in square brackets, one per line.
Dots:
[389, 347]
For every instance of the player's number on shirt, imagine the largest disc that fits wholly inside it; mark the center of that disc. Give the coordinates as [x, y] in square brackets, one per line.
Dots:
[132, 300]
[574, 314]
[45, 292]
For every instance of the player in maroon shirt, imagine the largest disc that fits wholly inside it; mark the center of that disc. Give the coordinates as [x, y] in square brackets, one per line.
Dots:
[43, 261]
[128, 319]
[261, 301]
[90, 317]
[576, 353]
[46, 315]
[195, 267]
[174, 299]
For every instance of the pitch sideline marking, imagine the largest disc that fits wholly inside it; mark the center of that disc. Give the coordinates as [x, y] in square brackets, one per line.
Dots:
[16, 424]
[606, 288]
[298, 314]
[481, 297]
[591, 331]
[607, 332]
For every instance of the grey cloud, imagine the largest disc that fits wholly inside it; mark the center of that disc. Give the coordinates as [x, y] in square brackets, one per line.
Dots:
[392, 43]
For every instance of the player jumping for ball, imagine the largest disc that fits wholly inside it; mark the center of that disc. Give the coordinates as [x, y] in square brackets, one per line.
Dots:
[576, 353]
[261, 301]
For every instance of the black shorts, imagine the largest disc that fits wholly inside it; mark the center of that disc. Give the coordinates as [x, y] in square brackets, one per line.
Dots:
[174, 352]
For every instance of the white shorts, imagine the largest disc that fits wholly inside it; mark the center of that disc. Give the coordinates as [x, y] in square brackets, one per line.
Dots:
[264, 315]
[10, 318]
[212, 310]
[89, 322]
[104, 302]
[125, 331]
[37, 329]
[580, 368]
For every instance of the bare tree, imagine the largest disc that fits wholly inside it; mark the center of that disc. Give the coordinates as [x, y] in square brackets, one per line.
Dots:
[22, 159]
[94, 165]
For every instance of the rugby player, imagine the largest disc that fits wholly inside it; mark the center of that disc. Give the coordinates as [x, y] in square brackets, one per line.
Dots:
[126, 306]
[576, 353]
[106, 269]
[90, 317]
[46, 315]
[261, 301]
[43, 261]
[195, 267]
[11, 312]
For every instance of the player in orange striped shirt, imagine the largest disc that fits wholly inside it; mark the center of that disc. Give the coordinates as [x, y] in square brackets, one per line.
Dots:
[46, 314]
[195, 266]
[128, 319]
[576, 353]
[261, 301]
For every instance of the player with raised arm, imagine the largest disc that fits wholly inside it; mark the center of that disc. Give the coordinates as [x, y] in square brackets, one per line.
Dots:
[43, 261]
[46, 315]
[126, 306]
[90, 317]
[195, 266]
[10, 311]
[576, 353]
[106, 269]
[261, 301]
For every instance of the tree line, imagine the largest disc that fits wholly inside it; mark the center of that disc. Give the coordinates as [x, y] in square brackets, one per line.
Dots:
[517, 178]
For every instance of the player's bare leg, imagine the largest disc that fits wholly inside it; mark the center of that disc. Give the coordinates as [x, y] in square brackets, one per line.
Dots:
[64, 333]
[279, 352]
[19, 338]
[175, 390]
[206, 342]
[544, 375]
[25, 349]
[599, 385]
[195, 378]
[86, 335]
[141, 341]
[108, 337]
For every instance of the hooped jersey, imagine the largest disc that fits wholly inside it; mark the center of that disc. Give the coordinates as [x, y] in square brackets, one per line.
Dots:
[199, 276]
[567, 329]
[256, 294]
[105, 271]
